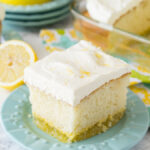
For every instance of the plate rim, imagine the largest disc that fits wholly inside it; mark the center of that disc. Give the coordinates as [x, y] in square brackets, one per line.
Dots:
[52, 5]
[29, 148]
[31, 17]
[37, 23]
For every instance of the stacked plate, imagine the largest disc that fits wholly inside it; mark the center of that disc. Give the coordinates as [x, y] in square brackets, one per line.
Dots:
[37, 15]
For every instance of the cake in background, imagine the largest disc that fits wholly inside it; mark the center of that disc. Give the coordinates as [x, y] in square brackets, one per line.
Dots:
[23, 2]
[77, 93]
[129, 15]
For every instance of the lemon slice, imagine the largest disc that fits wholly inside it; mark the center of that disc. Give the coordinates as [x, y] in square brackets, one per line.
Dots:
[15, 56]
[24, 2]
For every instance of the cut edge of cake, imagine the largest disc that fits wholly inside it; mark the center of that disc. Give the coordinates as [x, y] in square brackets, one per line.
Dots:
[99, 126]
[131, 23]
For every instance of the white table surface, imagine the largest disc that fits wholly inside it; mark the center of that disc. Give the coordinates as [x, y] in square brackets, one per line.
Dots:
[31, 35]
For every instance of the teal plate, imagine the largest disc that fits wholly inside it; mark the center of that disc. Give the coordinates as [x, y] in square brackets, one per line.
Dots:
[37, 16]
[54, 4]
[37, 22]
[18, 123]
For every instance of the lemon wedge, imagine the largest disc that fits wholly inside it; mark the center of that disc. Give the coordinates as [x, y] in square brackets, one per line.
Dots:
[15, 56]
[24, 2]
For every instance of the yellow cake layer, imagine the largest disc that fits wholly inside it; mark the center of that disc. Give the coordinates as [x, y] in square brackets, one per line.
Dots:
[107, 100]
[136, 20]
[99, 127]
[24, 2]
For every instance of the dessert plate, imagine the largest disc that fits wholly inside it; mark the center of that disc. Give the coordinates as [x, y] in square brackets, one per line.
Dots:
[36, 22]
[18, 123]
[37, 16]
[55, 4]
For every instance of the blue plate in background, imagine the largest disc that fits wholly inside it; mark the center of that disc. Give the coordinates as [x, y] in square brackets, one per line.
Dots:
[53, 5]
[37, 16]
[36, 23]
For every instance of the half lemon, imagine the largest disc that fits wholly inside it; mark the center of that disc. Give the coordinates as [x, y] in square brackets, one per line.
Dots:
[15, 56]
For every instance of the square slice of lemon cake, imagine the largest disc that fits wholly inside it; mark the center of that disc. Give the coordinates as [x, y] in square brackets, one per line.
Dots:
[77, 93]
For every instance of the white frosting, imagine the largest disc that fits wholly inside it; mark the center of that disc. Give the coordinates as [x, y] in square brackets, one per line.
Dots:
[2, 13]
[108, 11]
[73, 74]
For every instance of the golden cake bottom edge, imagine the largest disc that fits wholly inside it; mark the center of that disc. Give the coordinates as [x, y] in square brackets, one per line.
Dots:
[99, 127]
